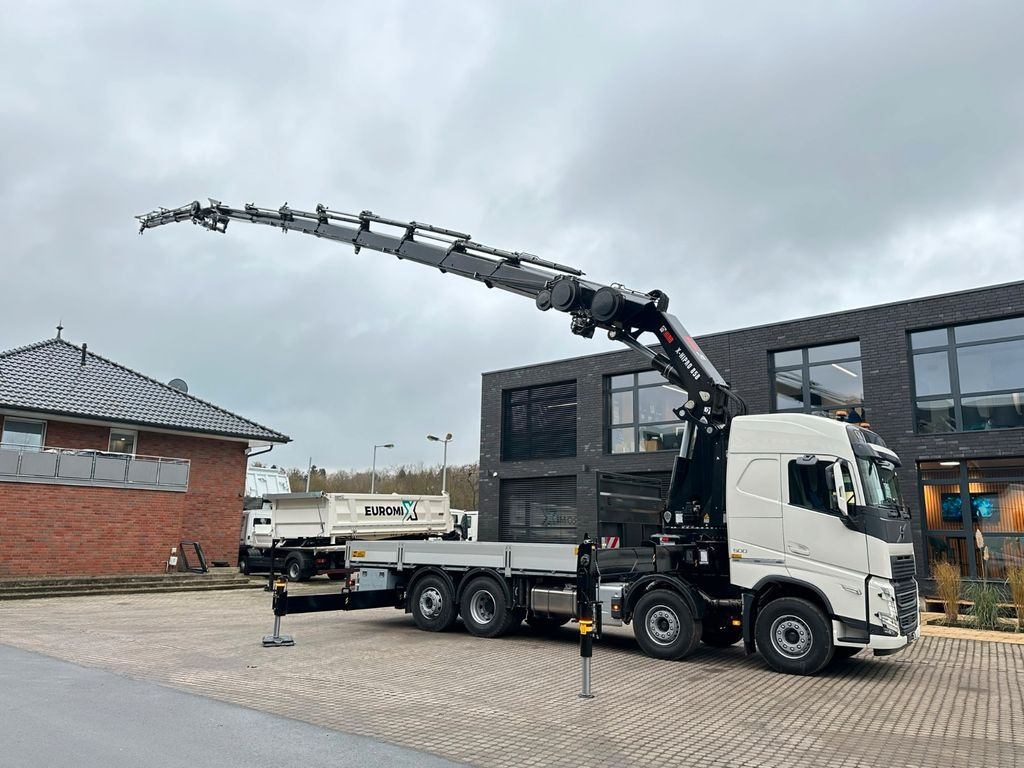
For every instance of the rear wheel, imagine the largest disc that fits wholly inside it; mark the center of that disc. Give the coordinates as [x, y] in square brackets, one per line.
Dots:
[484, 608]
[432, 604]
[664, 625]
[243, 565]
[794, 636]
[296, 568]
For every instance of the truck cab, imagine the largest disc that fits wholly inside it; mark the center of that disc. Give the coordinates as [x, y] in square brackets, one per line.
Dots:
[815, 516]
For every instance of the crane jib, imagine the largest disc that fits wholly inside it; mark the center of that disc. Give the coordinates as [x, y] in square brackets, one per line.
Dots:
[624, 313]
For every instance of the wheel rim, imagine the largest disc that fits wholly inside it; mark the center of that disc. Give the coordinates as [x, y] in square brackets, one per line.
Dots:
[294, 571]
[431, 602]
[792, 637]
[481, 607]
[663, 625]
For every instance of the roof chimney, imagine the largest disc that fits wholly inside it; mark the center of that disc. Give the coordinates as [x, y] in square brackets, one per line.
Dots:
[84, 347]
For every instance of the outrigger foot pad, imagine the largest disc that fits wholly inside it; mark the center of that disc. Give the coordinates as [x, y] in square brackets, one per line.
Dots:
[275, 641]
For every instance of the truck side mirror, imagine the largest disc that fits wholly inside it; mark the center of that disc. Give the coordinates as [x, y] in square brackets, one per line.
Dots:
[839, 488]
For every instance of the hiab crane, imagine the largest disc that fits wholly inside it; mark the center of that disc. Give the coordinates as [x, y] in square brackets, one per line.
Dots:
[785, 531]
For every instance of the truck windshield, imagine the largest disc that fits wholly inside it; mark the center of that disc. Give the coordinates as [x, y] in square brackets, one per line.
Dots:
[881, 488]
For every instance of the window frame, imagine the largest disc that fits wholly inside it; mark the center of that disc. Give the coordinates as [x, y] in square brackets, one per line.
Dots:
[636, 425]
[956, 394]
[963, 483]
[42, 437]
[135, 441]
[805, 375]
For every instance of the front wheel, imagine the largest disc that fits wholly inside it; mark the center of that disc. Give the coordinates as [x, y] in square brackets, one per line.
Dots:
[664, 625]
[794, 636]
[243, 565]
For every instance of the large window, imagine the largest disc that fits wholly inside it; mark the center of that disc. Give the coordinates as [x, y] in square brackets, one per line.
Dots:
[539, 422]
[23, 433]
[639, 415]
[969, 377]
[826, 378]
[970, 502]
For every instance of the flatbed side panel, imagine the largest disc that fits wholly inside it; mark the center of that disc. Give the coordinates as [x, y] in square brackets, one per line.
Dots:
[555, 559]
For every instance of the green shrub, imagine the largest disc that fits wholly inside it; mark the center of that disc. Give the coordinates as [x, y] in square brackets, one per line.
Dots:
[986, 605]
[947, 578]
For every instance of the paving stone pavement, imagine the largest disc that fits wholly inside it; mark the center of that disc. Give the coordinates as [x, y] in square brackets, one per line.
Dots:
[512, 702]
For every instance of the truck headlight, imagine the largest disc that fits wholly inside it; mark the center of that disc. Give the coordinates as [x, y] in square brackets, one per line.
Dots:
[889, 615]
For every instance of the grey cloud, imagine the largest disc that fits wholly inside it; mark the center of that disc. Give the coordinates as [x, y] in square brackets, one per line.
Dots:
[756, 161]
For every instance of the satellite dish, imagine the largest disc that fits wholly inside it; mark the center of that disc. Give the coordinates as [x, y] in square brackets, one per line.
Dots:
[178, 384]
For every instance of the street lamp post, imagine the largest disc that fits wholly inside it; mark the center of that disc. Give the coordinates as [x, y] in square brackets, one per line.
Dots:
[444, 466]
[373, 469]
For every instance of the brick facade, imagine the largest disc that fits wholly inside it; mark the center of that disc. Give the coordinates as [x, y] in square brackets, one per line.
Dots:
[55, 530]
[742, 357]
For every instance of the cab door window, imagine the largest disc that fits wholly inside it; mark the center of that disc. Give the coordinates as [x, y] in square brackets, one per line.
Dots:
[808, 484]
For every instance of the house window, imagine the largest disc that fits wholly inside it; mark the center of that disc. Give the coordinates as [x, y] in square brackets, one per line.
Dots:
[23, 433]
[122, 441]
[815, 379]
[969, 377]
[968, 502]
[638, 413]
[539, 422]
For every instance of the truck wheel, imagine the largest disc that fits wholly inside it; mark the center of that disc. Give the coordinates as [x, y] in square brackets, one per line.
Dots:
[484, 608]
[664, 625]
[721, 637]
[295, 568]
[433, 605]
[243, 565]
[794, 636]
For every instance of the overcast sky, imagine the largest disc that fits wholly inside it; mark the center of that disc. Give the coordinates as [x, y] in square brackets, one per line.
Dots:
[757, 162]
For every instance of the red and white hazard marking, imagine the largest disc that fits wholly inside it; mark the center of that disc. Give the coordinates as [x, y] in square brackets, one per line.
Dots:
[609, 542]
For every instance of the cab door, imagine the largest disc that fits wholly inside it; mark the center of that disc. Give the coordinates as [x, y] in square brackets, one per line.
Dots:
[819, 549]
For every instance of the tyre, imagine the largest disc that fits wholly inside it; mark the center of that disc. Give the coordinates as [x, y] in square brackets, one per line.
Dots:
[243, 565]
[295, 568]
[794, 636]
[546, 623]
[432, 604]
[721, 637]
[484, 608]
[664, 625]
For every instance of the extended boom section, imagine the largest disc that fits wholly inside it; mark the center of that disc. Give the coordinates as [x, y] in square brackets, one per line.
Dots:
[624, 313]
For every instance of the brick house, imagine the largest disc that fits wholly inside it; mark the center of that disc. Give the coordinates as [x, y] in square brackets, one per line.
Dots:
[103, 469]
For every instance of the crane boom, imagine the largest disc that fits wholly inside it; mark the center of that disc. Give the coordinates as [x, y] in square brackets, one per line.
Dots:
[624, 313]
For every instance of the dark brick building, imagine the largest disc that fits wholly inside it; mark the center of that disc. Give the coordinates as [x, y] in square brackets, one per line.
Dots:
[103, 469]
[586, 444]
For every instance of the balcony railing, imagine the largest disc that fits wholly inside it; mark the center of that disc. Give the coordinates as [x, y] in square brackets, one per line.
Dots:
[73, 466]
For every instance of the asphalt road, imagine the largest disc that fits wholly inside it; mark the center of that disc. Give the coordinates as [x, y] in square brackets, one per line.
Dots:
[53, 713]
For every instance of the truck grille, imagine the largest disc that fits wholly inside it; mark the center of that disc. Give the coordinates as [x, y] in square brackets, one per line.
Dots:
[903, 567]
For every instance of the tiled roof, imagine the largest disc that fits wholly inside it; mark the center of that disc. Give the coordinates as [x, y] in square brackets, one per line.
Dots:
[49, 377]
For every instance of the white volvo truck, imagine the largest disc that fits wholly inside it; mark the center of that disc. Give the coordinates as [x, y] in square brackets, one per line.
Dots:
[785, 531]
